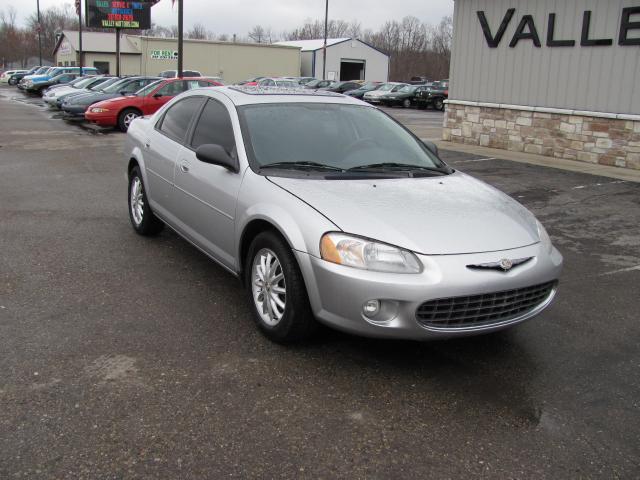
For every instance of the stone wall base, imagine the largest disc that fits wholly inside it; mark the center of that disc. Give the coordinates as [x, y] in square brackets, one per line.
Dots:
[606, 141]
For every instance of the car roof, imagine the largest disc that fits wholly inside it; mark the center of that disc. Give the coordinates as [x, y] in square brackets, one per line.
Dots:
[241, 95]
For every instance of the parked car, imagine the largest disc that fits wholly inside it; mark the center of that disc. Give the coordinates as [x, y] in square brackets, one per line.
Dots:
[362, 89]
[315, 84]
[62, 79]
[4, 78]
[32, 82]
[406, 97]
[16, 77]
[304, 80]
[278, 82]
[433, 96]
[250, 82]
[174, 74]
[329, 210]
[121, 111]
[69, 84]
[341, 87]
[77, 105]
[419, 80]
[375, 95]
[87, 85]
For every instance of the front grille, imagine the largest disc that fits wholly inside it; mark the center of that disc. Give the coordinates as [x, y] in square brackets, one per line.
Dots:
[482, 310]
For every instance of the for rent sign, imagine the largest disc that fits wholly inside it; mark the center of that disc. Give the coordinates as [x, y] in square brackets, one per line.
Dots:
[163, 54]
[118, 14]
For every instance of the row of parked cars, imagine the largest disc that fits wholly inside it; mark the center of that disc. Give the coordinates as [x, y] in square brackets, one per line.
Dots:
[105, 100]
[422, 95]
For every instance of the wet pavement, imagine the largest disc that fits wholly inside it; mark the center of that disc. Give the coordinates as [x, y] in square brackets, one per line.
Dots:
[127, 357]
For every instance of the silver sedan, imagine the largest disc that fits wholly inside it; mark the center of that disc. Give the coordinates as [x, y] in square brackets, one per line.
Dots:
[330, 211]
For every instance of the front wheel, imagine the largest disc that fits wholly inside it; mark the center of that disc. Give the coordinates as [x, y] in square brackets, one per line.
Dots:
[438, 104]
[143, 221]
[406, 103]
[125, 118]
[276, 290]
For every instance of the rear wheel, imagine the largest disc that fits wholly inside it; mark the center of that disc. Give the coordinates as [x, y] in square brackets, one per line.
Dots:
[406, 103]
[143, 221]
[276, 290]
[125, 118]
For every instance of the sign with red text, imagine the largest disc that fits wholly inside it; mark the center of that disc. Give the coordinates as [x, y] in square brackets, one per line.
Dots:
[118, 14]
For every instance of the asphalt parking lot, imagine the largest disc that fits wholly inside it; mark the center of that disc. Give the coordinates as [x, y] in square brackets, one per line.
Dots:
[128, 357]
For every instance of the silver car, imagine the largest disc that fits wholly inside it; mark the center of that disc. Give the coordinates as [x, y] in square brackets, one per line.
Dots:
[330, 211]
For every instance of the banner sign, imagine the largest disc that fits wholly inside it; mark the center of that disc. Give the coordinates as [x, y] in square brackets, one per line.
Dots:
[163, 54]
[118, 14]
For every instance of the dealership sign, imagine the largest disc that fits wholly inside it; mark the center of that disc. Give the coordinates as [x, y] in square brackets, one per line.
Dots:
[118, 14]
[163, 54]
[527, 30]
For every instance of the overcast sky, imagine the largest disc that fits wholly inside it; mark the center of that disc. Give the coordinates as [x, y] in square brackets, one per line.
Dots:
[238, 16]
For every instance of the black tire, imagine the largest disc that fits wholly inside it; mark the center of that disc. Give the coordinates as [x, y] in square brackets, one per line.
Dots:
[12, 81]
[297, 322]
[438, 104]
[125, 118]
[406, 103]
[149, 224]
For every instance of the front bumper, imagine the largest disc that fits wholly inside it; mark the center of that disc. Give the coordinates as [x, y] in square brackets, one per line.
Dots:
[75, 110]
[337, 293]
[371, 99]
[102, 119]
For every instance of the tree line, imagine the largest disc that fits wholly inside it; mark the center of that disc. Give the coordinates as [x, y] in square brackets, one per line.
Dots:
[416, 48]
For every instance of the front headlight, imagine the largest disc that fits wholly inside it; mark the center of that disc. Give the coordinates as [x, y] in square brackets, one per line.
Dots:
[99, 110]
[545, 239]
[367, 254]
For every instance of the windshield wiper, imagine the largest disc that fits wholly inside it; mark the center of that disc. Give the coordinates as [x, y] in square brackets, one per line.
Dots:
[376, 167]
[302, 165]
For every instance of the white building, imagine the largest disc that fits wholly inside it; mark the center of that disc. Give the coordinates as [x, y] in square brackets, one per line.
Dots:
[347, 59]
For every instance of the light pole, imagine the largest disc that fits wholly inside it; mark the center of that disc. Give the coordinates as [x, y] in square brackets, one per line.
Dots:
[324, 48]
[180, 36]
[39, 33]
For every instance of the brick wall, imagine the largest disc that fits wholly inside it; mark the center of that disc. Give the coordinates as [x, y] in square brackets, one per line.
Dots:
[608, 141]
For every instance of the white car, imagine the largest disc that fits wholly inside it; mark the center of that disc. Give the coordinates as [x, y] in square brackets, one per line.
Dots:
[389, 87]
[4, 78]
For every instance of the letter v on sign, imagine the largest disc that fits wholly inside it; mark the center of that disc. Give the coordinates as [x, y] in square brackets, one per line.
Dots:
[492, 41]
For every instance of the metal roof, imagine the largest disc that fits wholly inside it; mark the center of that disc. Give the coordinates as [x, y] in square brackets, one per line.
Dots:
[312, 45]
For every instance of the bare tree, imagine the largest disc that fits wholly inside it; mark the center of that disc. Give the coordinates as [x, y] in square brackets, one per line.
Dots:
[199, 32]
[258, 34]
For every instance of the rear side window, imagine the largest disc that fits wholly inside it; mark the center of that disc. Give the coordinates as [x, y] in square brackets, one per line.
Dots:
[177, 118]
[214, 126]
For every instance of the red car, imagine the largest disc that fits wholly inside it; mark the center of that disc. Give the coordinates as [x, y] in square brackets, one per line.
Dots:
[121, 111]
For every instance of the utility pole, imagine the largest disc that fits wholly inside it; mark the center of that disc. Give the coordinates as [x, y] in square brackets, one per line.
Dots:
[79, 12]
[117, 52]
[39, 33]
[324, 48]
[180, 36]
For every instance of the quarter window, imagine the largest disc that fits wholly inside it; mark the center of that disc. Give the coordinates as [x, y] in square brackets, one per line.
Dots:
[176, 120]
[214, 126]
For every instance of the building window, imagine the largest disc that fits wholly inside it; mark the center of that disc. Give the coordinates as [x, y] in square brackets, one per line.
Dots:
[72, 63]
[66, 63]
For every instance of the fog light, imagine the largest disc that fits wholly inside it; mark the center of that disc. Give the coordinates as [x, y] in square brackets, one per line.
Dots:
[371, 308]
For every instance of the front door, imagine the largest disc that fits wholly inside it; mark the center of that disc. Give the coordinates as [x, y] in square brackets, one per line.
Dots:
[207, 194]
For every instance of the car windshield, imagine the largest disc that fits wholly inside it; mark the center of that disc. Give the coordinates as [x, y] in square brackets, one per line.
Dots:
[333, 136]
[367, 87]
[84, 82]
[168, 74]
[387, 87]
[408, 89]
[144, 91]
[114, 87]
[313, 83]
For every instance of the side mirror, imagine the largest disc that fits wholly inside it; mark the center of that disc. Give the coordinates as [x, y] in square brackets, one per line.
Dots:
[123, 92]
[216, 155]
[431, 146]
[157, 95]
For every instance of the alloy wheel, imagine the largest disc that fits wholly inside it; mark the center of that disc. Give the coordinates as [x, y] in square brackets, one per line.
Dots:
[128, 118]
[268, 287]
[136, 200]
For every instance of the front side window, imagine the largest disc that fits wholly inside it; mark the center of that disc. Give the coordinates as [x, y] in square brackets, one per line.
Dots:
[214, 126]
[177, 118]
[172, 89]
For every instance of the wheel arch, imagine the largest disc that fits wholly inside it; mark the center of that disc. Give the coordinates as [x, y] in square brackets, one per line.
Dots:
[250, 231]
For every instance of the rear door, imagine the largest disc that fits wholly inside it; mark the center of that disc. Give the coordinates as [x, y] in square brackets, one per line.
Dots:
[161, 149]
[207, 194]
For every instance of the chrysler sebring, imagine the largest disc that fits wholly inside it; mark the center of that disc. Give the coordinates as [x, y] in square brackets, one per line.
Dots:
[330, 211]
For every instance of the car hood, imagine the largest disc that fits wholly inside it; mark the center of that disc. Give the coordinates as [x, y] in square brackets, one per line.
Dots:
[377, 93]
[119, 99]
[454, 214]
[91, 98]
[38, 78]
